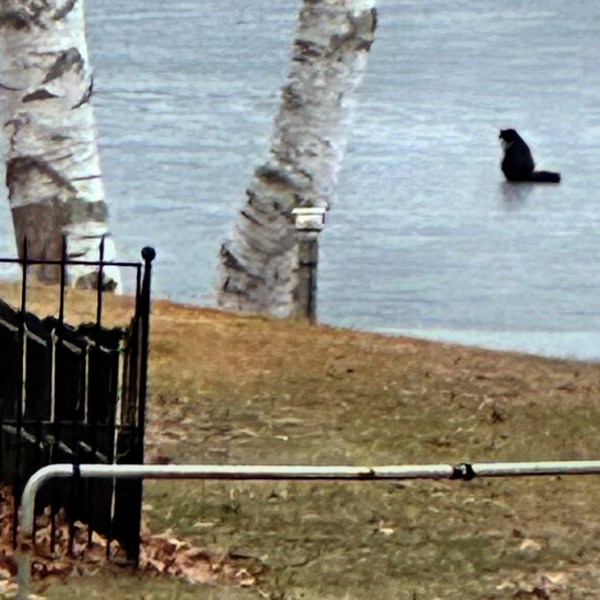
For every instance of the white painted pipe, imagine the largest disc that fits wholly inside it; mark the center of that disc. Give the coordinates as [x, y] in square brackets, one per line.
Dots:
[433, 471]
[262, 472]
[520, 469]
[464, 471]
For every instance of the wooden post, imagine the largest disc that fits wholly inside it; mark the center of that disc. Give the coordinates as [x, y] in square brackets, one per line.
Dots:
[309, 222]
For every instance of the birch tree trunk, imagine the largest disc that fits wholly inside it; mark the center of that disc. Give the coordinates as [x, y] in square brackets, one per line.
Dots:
[258, 270]
[52, 164]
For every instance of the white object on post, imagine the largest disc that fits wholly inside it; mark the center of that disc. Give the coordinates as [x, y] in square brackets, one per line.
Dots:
[309, 218]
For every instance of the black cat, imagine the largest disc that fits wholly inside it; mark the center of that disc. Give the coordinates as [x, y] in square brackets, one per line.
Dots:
[517, 164]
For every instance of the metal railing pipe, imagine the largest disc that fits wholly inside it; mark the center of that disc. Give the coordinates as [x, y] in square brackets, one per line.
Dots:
[34, 483]
[529, 469]
[248, 472]
[462, 471]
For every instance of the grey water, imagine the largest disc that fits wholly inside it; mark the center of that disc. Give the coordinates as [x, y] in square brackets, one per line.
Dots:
[424, 236]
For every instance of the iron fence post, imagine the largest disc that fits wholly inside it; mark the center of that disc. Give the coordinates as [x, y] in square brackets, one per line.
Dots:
[148, 254]
[20, 387]
[99, 284]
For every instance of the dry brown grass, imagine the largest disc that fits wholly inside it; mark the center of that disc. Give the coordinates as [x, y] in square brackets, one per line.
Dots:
[231, 389]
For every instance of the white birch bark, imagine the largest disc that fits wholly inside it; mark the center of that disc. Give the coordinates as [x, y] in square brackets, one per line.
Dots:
[259, 266]
[52, 163]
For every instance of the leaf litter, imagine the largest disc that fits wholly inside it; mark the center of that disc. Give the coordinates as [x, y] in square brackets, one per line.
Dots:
[161, 554]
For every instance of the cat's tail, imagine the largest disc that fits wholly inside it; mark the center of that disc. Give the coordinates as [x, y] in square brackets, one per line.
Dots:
[545, 177]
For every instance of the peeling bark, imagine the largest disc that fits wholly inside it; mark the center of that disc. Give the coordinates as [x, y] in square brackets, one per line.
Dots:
[258, 270]
[52, 166]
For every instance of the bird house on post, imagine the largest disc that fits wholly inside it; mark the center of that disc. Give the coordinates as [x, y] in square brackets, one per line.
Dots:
[308, 221]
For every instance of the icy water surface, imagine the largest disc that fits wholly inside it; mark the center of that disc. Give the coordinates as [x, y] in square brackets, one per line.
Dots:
[424, 236]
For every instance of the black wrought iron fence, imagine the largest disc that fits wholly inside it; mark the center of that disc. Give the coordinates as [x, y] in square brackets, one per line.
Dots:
[76, 393]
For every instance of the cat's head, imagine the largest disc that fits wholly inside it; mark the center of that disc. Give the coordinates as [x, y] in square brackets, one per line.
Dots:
[509, 135]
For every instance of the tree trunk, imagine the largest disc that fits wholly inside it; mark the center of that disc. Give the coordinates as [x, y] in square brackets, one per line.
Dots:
[259, 266]
[52, 164]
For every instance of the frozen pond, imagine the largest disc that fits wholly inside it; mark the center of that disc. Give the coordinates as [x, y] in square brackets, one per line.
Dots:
[425, 236]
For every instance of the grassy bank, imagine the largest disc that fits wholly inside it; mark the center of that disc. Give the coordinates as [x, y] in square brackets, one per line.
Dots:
[228, 389]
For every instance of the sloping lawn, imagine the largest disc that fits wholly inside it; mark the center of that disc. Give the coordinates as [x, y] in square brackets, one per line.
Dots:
[227, 389]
